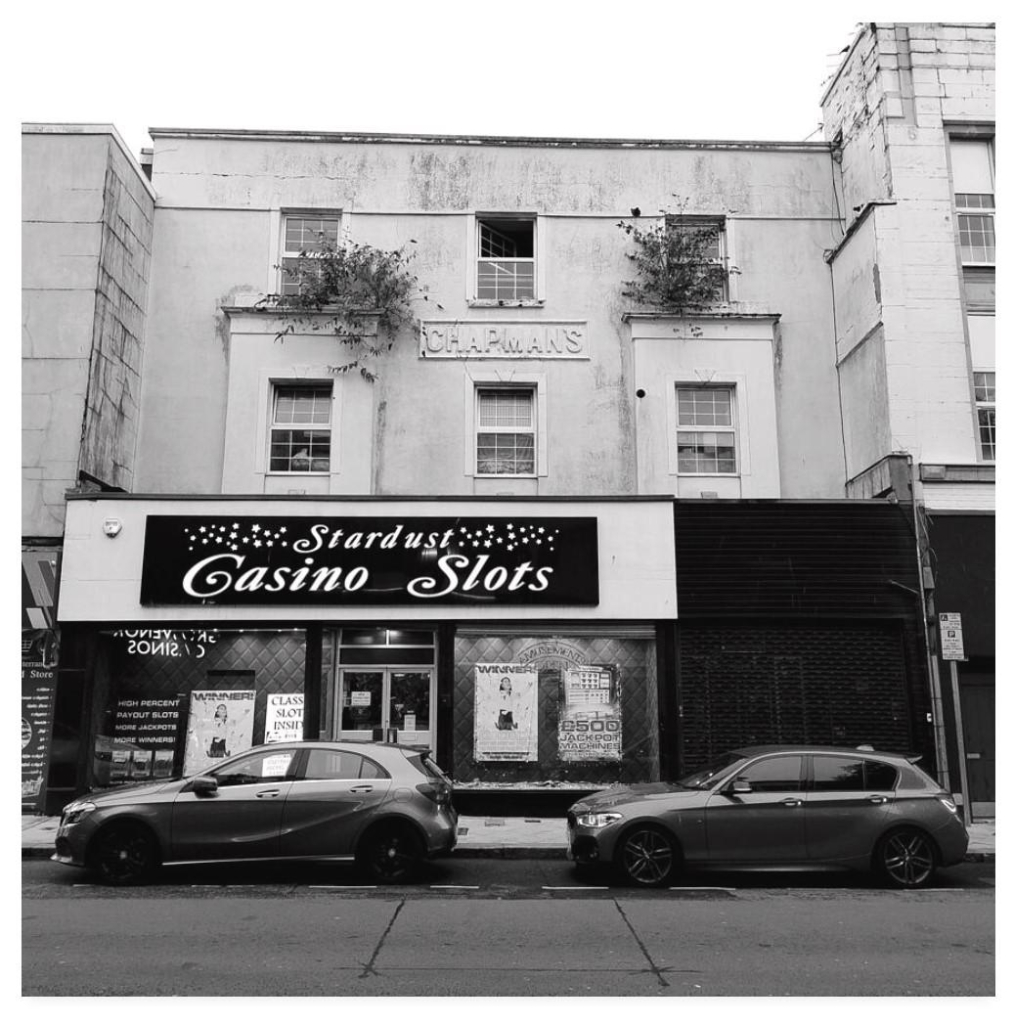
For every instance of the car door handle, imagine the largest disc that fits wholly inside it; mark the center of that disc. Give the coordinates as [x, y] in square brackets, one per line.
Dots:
[268, 792]
[791, 801]
[877, 799]
[362, 789]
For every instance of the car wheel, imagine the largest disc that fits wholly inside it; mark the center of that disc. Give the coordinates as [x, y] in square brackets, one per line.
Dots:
[390, 854]
[124, 855]
[647, 856]
[906, 858]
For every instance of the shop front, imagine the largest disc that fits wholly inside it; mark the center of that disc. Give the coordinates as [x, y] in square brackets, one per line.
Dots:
[527, 643]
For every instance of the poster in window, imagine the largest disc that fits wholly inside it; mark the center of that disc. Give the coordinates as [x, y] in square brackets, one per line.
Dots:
[220, 725]
[506, 713]
[38, 701]
[145, 736]
[283, 717]
[591, 727]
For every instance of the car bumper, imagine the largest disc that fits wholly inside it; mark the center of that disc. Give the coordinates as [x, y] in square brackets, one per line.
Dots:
[952, 842]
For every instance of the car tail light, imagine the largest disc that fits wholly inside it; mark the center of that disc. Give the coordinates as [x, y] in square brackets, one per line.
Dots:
[438, 792]
[949, 803]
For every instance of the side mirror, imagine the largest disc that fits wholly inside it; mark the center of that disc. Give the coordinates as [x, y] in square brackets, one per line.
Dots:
[740, 786]
[203, 785]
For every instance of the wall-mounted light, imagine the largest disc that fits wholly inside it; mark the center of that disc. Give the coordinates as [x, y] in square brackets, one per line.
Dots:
[111, 527]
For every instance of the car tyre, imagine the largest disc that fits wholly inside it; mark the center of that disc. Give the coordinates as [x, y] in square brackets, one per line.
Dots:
[390, 854]
[906, 858]
[124, 855]
[647, 856]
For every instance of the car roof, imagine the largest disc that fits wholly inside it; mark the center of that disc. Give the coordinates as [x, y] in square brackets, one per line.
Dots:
[366, 746]
[805, 748]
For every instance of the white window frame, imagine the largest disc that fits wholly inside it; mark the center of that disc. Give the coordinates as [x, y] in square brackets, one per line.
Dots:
[474, 228]
[278, 237]
[274, 385]
[476, 381]
[734, 428]
[987, 404]
[724, 247]
[963, 210]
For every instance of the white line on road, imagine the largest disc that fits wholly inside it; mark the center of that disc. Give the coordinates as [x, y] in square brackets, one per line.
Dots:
[454, 887]
[342, 887]
[573, 888]
[699, 888]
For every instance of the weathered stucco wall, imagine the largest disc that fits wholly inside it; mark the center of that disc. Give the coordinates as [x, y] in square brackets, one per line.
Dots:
[86, 238]
[221, 201]
[902, 90]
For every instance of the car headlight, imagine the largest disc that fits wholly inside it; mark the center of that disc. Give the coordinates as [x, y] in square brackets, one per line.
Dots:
[76, 811]
[598, 820]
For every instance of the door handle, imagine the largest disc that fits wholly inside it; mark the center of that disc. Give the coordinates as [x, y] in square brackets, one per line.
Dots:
[268, 792]
[877, 799]
[362, 789]
[791, 801]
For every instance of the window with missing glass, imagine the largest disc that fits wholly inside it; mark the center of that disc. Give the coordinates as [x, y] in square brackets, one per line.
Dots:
[505, 431]
[301, 428]
[304, 238]
[712, 258]
[985, 408]
[706, 431]
[505, 271]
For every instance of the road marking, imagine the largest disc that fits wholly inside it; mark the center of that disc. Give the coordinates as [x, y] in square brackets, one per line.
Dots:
[573, 888]
[699, 888]
[342, 887]
[454, 887]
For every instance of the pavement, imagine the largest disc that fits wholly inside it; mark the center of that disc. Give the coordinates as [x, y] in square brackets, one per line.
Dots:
[516, 838]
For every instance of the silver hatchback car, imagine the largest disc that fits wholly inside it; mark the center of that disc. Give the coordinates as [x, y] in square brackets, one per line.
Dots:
[803, 807]
[384, 806]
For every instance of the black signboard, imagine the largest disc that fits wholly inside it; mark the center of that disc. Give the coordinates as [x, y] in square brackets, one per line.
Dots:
[146, 737]
[38, 700]
[365, 560]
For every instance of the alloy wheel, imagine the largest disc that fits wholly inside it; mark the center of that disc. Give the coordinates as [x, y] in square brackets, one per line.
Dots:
[908, 859]
[124, 856]
[647, 857]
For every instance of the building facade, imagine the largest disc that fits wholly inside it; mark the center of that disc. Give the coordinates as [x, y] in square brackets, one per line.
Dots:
[87, 215]
[910, 118]
[564, 538]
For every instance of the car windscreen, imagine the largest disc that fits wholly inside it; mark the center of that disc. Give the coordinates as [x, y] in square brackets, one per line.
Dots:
[704, 776]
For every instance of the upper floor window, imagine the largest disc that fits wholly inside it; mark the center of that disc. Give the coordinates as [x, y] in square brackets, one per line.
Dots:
[302, 237]
[505, 431]
[711, 254]
[706, 432]
[505, 270]
[301, 428]
[974, 199]
[985, 406]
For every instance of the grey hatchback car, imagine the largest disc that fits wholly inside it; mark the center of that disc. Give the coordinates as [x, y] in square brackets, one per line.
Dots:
[384, 806]
[776, 807]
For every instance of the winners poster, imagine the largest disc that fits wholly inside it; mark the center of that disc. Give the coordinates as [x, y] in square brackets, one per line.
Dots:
[221, 724]
[506, 713]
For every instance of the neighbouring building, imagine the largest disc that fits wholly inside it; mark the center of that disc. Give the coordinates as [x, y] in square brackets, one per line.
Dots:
[86, 223]
[910, 117]
[561, 537]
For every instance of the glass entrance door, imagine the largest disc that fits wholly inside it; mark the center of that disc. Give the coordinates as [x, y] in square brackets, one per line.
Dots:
[386, 698]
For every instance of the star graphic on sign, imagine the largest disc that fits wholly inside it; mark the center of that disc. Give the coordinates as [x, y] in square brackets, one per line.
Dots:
[255, 528]
[235, 526]
[271, 543]
[487, 543]
[257, 543]
[281, 529]
[232, 536]
[201, 529]
[490, 529]
[542, 529]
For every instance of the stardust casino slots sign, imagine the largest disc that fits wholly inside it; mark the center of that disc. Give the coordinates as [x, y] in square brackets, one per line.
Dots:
[247, 560]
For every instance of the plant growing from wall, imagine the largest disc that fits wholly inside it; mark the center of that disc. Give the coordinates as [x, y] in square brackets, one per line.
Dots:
[360, 294]
[677, 271]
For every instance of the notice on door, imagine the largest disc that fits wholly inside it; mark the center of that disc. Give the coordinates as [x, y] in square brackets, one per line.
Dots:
[506, 713]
